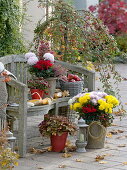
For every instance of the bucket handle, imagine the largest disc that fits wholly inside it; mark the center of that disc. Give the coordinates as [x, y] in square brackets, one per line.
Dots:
[37, 94]
[102, 132]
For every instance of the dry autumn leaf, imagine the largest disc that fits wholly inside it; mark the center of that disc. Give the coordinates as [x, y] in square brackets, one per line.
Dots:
[120, 137]
[114, 132]
[40, 168]
[99, 157]
[78, 160]
[122, 145]
[62, 166]
[37, 151]
[114, 124]
[49, 149]
[66, 155]
[120, 112]
[124, 163]
[109, 135]
[120, 131]
[102, 162]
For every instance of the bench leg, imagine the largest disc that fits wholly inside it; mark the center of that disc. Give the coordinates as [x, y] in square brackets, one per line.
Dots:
[22, 137]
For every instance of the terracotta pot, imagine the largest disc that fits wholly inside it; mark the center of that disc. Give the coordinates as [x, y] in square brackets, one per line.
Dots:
[58, 142]
[37, 93]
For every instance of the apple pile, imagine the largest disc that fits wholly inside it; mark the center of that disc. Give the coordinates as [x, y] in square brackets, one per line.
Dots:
[71, 78]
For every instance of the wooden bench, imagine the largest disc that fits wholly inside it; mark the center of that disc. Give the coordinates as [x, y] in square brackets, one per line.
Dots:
[18, 93]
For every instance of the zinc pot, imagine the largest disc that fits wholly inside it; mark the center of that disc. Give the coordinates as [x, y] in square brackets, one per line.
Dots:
[96, 135]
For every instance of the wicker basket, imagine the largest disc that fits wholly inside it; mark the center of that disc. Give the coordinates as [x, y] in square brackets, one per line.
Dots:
[73, 87]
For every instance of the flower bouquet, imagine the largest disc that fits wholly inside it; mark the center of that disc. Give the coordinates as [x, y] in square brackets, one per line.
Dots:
[95, 106]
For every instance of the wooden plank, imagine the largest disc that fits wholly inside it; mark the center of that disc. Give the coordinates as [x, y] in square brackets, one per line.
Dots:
[22, 125]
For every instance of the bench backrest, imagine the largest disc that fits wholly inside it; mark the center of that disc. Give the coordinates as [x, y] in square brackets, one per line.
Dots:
[18, 66]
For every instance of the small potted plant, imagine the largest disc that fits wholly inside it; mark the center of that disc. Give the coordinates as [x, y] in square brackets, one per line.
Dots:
[38, 87]
[96, 109]
[57, 128]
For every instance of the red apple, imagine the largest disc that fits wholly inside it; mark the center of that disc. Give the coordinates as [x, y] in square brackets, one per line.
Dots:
[77, 78]
[70, 76]
[72, 80]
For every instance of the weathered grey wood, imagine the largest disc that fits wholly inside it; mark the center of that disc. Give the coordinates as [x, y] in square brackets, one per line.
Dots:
[22, 126]
[17, 91]
[88, 73]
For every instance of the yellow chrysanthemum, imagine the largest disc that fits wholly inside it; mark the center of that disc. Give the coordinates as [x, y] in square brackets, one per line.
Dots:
[71, 107]
[112, 100]
[76, 106]
[84, 99]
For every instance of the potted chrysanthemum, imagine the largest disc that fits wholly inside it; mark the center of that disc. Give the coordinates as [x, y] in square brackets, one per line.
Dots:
[96, 109]
[45, 68]
[38, 87]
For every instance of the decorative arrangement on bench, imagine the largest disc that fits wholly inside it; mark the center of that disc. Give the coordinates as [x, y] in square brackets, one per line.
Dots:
[45, 68]
[57, 128]
[72, 83]
[38, 87]
[96, 109]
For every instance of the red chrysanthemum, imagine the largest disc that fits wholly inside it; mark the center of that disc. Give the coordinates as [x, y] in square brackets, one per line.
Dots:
[43, 64]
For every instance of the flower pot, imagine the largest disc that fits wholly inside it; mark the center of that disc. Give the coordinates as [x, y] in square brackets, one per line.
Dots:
[96, 135]
[37, 93]
[58, 142]
[74, 88]
[52, 86]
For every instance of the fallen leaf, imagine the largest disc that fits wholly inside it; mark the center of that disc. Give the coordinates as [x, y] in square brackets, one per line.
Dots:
[114, 124]
[40, 168]
[125, 163]
[66, 155]
[78, 160]
[62, 166]
[109, 135]
[120, 131]
[120, 112]
[68, 143]
[124, 78]
[37, 151]
[99, 157]
[114, 132]
[120, 137]
[102, 162]
[49, 149]
[122, 145]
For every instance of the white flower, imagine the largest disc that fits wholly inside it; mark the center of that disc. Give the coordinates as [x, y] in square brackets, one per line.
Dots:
[32, 60]
[49, 56]
[1, 67]
[71, 101]
[28, 55]
[94, 101]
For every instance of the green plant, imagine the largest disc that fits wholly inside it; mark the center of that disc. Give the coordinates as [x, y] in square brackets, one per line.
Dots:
[80, 37]
[52, 125]
[11, 41]
[8, 159]
[95, 106]
[38, 83]
[122, 42]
